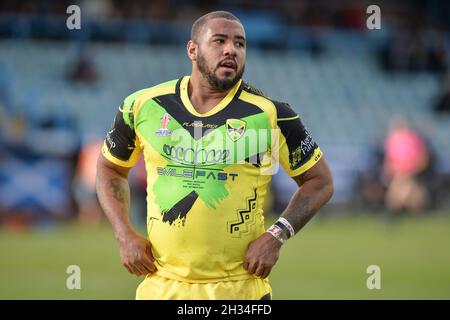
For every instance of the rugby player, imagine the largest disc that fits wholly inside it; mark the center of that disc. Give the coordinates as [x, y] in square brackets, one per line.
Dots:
[209, 141]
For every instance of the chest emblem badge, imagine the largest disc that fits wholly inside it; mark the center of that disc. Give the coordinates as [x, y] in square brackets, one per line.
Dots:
[235, 128]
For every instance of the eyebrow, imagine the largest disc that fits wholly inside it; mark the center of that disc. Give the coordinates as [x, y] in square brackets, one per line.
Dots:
[225, 36]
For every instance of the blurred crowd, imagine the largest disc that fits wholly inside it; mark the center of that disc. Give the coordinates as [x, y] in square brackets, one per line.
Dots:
[320, 13]
[47, 168]
[304, 12]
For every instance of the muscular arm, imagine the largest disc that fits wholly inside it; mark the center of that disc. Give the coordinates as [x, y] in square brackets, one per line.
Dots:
[113, 192]
[315, 190]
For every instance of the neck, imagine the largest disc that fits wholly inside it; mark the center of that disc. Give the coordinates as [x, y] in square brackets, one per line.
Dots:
[202, 94]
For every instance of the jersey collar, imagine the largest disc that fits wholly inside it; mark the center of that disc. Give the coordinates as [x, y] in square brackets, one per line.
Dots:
[222, 104]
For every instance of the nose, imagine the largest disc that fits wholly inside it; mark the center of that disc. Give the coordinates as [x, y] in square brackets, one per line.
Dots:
[229, 49]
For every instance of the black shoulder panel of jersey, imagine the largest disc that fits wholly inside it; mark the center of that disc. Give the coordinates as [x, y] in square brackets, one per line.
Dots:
[301, 145]
[251, 89]
[284, 110]
[121, 139]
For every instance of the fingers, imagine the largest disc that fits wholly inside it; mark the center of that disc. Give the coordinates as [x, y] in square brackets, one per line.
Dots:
[148, 265]
[250, 264]
[135, 267]
[141, 268]
[137, 256]
[252, 267]
[128, 268]
[138, 269]
[261, 256]
[132, 269]
[260, 270]
[266, 273]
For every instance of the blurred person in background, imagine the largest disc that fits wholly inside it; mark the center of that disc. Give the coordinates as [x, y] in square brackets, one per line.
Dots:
[206, 233]
[84, 185]
[83, 70]
[369, 189]
[406, 156]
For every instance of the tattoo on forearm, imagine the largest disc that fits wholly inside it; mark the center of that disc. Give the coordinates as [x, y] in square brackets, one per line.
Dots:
[299, 214]
[119, 192]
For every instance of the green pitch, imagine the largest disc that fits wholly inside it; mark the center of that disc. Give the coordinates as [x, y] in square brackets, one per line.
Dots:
[328, 260]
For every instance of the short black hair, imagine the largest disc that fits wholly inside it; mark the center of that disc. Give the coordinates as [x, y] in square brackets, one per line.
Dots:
[200, 22]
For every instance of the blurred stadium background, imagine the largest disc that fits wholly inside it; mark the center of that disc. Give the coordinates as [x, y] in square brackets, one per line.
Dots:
[60, 89]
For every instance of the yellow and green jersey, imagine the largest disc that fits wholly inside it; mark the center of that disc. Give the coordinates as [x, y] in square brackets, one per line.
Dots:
[207, 174]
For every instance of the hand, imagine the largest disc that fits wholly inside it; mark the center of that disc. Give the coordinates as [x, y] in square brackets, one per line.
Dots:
[262, 254]
[136, 254]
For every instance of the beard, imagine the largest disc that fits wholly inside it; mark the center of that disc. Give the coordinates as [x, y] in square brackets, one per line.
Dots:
[214, 81]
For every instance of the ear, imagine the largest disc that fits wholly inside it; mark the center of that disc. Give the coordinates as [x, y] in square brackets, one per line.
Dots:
[192, 50]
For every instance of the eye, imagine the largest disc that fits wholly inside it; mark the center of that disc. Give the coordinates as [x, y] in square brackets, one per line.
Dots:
[240, 44]
[219, 41]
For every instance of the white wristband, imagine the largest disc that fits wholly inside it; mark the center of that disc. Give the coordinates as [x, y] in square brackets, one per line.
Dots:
[276, 232]
[287, 225]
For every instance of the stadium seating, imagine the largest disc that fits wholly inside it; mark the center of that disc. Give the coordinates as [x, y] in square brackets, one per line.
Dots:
[344, 98]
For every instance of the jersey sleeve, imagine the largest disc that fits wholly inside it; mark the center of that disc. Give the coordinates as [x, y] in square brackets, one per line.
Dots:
[298, 151]
[122, 145]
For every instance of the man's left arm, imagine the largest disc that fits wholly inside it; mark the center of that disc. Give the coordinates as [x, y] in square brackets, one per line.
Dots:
[315, 190]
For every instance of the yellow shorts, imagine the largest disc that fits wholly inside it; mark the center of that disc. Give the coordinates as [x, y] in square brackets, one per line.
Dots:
[155, 287]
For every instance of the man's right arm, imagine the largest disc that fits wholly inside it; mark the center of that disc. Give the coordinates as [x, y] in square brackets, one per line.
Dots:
[113, 192]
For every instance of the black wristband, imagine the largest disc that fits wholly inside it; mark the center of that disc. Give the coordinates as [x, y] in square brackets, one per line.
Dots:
[284, 228]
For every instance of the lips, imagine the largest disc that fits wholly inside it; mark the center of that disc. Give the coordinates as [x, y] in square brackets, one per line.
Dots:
[230, 64]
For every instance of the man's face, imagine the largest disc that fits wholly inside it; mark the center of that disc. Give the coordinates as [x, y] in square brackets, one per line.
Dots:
[221, 52]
